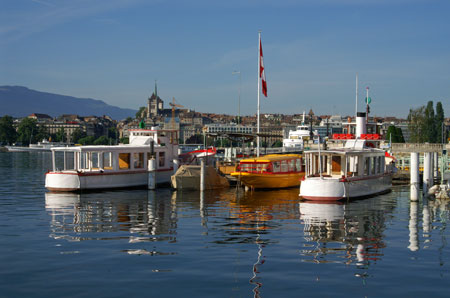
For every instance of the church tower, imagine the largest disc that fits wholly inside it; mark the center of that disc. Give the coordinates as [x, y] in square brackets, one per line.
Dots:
[155, 105]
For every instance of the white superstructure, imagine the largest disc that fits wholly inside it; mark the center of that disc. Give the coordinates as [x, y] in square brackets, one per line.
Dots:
[104, 167]
[296, 138]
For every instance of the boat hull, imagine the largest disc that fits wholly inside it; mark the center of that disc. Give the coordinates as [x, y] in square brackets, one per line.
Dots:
[78, 181]
[254, 180]
[334, 189]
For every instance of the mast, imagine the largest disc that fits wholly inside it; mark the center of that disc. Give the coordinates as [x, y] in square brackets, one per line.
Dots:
[356, 91]
[367, 105]
[259, 69]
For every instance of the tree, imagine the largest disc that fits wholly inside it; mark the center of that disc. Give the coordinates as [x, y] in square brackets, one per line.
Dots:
[195, 139]
[25, 131]
[7, 132]
[42, 133]
[77, 135]
[399, 135]
[61, 135]
[430, 124]
[140, 114]
[439, 122]
[416, 125]
[103, 140]
[124, 140]
[278, 144]
[87, 140]
[112, 134]
[395, 134]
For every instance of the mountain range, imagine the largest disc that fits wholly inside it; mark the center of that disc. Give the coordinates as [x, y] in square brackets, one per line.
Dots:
[18, 101]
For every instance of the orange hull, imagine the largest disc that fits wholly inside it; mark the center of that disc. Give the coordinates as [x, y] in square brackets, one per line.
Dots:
[254, 180]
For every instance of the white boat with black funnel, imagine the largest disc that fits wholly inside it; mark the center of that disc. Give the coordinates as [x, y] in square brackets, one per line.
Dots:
[358, 169]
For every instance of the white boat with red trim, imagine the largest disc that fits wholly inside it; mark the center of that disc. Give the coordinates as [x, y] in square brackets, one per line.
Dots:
[357, 170]
[80, 168]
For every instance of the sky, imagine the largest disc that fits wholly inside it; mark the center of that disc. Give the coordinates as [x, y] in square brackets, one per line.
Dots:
[115, 50]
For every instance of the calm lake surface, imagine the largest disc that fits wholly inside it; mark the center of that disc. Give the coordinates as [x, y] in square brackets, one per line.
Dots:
[222, 244]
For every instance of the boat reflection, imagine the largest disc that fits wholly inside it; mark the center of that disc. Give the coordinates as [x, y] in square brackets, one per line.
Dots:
[349, 233]
[106, 215]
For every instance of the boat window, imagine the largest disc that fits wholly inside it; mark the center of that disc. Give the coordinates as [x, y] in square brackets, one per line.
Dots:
[276, 166]
[266, 167]
[94, 160]
[107, 160]
[366, 165]
[373, 164]
[352, 166]
[336, 165]
[70, 160]
[138, 158]
[284, 166]
[298, 165]
[380, 167]
[291, 165]
[162, 159]
[294, 137]
[244, 167]
[124, 161]
[83, 160]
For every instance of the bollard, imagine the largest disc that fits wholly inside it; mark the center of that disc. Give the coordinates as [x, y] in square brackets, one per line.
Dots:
[426, 172]
[151, 174]
[436, 166]
[431, 170]
[413, 239]
[414, 176]
[202, 174]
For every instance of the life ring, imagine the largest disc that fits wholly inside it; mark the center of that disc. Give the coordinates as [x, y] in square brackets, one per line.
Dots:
[371, 145]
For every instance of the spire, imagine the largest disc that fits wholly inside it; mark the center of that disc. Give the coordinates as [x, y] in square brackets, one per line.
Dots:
[156, 91]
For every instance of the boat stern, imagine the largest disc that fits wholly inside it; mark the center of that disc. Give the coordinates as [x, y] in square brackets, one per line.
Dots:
[322, 189]
[61, 181]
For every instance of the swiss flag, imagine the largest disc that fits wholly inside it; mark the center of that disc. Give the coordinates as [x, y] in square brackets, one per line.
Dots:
[262, 73]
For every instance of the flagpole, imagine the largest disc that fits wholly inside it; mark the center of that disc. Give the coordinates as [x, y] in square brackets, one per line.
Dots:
[259, 69]
[356, 106]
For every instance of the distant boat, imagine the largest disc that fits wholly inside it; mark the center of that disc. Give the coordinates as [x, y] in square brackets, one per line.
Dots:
[296, 138]
[194, 156]
[45, 145]
[270, 171]
[80, 168]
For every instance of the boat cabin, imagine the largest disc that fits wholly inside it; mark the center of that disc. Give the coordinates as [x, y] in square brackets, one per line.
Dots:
[116, 158]
[272, 164]
[341, 163]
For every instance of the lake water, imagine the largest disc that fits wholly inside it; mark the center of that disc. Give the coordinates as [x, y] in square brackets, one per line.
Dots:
[222, 244]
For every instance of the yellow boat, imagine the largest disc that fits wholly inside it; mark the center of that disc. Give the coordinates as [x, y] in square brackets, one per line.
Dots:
[271, 171]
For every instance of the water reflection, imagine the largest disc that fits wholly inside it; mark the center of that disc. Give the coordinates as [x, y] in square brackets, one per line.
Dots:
[106, 216]
[350, 233]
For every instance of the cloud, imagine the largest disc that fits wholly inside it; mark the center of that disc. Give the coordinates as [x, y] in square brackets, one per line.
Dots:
[43, 3]
[31, 20]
